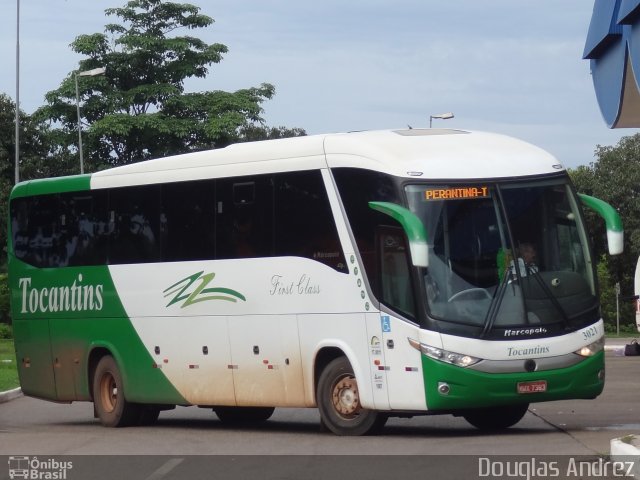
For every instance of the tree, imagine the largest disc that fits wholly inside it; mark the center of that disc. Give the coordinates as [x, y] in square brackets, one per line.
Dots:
[41, 153]
[615, 178]
[34, 143]
[251, 133]
[139, 108]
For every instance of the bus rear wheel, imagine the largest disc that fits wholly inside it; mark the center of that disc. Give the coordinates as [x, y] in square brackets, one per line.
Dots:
[111, 407]
[243, 415]
[496, 418]
[339, 404]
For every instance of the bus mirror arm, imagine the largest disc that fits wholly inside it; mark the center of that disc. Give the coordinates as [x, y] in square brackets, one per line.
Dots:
[615, 233]
[412, 226]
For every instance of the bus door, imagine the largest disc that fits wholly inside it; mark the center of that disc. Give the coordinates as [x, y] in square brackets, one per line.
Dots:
[402, 363]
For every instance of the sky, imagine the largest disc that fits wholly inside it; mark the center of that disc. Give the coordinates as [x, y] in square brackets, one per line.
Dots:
[511, 67]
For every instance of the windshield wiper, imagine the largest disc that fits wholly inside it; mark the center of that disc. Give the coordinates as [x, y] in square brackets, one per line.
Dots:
[517, 279]
[494, 308]
[550, 295]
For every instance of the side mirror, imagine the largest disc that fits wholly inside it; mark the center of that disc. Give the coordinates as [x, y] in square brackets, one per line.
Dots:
[412, 226]
[615, 233]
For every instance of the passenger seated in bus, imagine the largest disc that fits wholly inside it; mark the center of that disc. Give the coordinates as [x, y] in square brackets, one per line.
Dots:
[242, 235]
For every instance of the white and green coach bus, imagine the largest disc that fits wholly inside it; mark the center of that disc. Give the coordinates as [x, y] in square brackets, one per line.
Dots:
[368, 274]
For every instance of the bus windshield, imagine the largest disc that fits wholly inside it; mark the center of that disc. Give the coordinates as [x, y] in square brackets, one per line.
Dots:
[505, 257]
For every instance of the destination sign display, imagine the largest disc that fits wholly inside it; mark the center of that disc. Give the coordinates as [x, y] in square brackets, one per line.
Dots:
[456, 193]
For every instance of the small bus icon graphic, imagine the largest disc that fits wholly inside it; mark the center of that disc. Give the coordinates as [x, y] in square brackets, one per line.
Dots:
[18, 467]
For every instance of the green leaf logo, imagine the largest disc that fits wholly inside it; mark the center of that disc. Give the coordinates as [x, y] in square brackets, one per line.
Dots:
[193, 289]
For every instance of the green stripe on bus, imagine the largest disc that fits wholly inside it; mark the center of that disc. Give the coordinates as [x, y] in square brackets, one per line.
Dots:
[46, 186]
[78, 310]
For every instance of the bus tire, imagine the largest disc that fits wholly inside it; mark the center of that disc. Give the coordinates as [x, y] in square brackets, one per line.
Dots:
[496, 418]
[109, 401]
[339, 402]
[148, 415]
[243, 415]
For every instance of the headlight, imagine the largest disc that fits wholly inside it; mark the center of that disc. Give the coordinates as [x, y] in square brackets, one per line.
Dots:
[591, 349]
[458, 359]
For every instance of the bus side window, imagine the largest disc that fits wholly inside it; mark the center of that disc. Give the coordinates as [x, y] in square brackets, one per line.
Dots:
[20, 227]
[244, 217]
[136, 213]
[187, 228]
[395, 272]
[357, 188]
[303, 221]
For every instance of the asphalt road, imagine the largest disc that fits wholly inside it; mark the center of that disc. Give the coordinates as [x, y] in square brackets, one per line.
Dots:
[30, 427]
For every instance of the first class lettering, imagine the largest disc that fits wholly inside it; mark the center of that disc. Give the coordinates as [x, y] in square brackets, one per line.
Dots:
[455, 193]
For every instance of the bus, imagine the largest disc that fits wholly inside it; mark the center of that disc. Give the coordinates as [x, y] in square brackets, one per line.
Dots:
[366, 274]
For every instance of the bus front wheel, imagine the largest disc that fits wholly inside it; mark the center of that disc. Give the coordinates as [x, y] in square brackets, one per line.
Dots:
[111, 407]
[496, 418]
[339, 404]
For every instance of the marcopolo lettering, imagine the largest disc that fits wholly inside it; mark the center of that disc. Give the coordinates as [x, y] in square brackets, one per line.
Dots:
[524, 331]
[69, 298]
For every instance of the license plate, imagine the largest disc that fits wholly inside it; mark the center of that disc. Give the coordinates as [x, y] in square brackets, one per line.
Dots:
[538, 386]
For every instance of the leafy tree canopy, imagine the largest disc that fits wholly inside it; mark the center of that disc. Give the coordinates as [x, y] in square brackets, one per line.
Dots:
[615, 178]
[40, 155]
[139, 109]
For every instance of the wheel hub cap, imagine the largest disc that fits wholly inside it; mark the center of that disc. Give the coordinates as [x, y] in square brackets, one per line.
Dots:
[345, 397]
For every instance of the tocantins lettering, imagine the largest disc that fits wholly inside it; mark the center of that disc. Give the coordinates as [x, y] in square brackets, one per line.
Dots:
[70, 298]
[522, 351]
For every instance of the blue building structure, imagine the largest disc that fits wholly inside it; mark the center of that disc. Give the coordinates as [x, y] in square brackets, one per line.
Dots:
[613, 48]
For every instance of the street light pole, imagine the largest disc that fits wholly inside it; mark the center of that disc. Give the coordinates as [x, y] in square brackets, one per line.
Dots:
[441, 116]
[79, 127]
[86, 73]
[17, 149]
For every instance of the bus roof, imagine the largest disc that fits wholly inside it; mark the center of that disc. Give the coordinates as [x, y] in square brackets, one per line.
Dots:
[424, 153]
[439, 154]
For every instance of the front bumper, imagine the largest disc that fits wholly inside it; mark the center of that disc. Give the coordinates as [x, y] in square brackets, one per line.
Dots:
[472, 389]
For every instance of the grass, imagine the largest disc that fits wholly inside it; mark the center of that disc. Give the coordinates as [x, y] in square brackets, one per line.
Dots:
[8, 368]
[629, 334]
[628, 439]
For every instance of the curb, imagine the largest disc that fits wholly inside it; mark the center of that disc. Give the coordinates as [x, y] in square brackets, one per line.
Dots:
[617, 345]
[10, 395]
[618, 349]
[625, 452]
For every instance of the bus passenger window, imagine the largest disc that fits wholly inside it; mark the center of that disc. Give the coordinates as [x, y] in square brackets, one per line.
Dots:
[187, 220]
[303, 220]
[244, 213]
[136, 215]
[395, 273]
